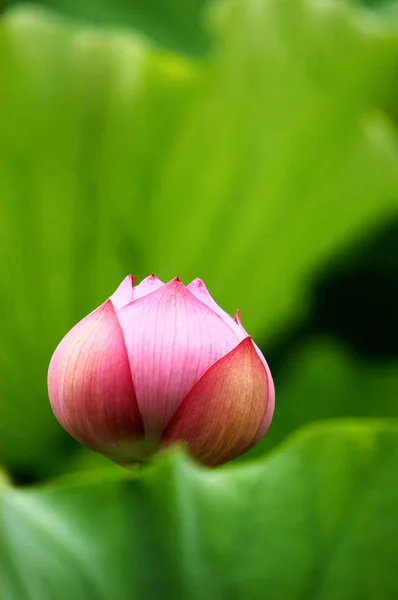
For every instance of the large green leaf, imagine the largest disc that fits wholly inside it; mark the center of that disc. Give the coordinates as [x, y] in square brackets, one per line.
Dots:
[284, 157]
[318, 518]
[323, 380]
[178, 24]
[249, 170]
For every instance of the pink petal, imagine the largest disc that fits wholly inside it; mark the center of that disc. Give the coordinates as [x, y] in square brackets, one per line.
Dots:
[147, 286]
[198, 289]
[90, 386]
[220, 416]
[124, 293]
[171, 339]
[269, 413]
[271, 389]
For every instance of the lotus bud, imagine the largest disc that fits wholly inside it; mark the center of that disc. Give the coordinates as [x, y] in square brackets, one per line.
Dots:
[159, 364]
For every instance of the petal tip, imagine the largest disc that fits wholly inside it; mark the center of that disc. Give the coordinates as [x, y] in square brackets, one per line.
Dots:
[107, 305]
[237, 317]
[124, 293]
[147, 286]
[175, 283]
[197, 283]
[246, 345]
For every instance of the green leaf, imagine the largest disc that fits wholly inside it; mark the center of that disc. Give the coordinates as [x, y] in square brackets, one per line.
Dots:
[386, 7]
[177, 24]
[317, 518]
[285, 157]
[323, 380]
[248, 169]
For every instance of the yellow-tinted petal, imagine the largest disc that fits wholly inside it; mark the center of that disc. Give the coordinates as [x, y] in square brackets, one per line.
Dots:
[220, 416]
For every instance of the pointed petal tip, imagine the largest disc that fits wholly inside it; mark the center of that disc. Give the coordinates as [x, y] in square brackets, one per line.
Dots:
[196, 283]
[198, 288]
[107, 305]
[124, 293]
[147, 286]
[237, 317]
[247, 345]
[175, 282]
[128, 280]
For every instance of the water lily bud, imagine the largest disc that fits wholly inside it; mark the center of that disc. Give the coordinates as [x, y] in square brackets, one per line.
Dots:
[158, 364]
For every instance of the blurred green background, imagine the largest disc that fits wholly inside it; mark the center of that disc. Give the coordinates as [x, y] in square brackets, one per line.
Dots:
[252, 143]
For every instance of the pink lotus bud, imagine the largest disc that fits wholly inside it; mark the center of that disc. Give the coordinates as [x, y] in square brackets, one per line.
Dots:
[159, 364]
